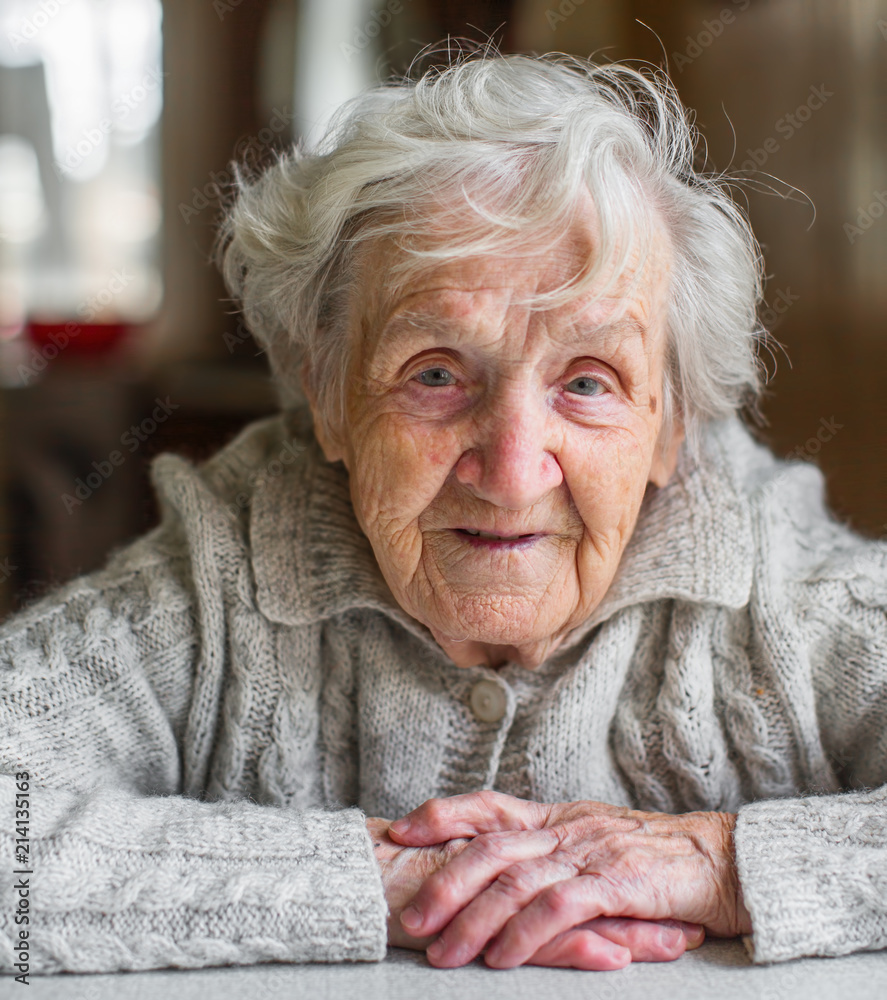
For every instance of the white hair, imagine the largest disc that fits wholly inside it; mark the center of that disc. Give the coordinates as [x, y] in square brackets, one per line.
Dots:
[475, 158]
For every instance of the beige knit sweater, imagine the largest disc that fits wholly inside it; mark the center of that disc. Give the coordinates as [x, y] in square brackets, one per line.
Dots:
[200, 719]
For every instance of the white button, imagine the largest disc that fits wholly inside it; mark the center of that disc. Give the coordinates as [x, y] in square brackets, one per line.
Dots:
[488, 701]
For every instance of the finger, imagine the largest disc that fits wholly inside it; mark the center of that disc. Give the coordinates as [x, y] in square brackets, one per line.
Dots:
[579, 948]
[454, 886]
[583, 947]
[466, 936]
[438, 820]
[643, 940]
[647, 940]
[556, 909]
[694, 934]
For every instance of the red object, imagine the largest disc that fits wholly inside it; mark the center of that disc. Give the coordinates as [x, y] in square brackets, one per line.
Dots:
[76, 337]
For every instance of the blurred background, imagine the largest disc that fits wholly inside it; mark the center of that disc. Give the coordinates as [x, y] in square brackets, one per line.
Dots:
[119, 120]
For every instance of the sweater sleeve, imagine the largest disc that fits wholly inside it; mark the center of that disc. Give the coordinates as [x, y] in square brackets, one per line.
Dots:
[814, 869]
[115, 868]
[814, 874]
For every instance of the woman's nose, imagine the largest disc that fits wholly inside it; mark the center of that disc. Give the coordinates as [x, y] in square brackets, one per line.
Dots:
[510, 464]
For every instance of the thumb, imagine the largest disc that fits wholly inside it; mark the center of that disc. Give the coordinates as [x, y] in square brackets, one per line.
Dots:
[438, 820]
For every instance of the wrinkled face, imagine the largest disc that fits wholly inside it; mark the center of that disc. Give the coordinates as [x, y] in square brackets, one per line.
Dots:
[498, 454]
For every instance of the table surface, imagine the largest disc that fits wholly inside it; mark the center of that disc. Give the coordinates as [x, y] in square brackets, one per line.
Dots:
[719, 969]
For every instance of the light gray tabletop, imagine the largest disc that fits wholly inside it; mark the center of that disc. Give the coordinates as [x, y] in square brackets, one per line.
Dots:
[719, 969]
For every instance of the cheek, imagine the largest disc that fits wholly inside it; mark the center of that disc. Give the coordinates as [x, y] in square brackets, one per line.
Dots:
[607, 475]
[398, 467]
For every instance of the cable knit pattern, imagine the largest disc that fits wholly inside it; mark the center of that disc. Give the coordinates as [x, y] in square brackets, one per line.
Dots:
[208, 720]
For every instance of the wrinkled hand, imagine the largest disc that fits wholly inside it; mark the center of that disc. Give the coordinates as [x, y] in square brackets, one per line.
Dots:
[603, 943]
[404, 872]
[554, 884]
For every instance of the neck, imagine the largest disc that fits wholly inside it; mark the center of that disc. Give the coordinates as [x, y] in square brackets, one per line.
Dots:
[469, 653]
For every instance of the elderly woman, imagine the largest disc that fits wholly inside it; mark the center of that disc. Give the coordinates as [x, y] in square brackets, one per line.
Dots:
[522, 582]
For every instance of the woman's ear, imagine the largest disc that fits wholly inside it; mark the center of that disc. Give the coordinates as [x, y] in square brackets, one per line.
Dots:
[665, 457]
[329, 442]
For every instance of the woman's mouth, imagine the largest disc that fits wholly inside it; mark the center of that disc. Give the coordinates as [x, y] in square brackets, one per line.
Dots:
[489, 538]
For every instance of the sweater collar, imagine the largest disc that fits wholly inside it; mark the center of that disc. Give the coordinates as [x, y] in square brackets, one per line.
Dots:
[692, 542]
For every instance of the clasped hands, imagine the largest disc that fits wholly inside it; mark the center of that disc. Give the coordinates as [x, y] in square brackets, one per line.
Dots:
[578, 884]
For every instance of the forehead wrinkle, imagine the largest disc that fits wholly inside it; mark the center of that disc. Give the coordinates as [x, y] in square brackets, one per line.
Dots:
[587, 325]
[468, 324]
[403, 325]
[622, 329]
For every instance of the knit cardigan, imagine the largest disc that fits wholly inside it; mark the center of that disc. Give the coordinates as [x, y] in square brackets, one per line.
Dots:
[202, 726]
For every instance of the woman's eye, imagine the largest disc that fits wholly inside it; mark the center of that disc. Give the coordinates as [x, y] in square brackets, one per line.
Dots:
[436, 377]
[585, 386]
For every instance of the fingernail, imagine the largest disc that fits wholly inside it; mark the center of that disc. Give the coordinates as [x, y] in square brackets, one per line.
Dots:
[623, 956]
[400, 825]
[670, 937]
[411, 918]
[436, 948]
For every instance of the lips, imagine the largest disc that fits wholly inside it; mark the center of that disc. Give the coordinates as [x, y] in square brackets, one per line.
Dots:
[493, 537]
[478, 538]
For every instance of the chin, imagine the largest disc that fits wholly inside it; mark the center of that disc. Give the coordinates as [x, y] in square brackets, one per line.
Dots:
[496, 620]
